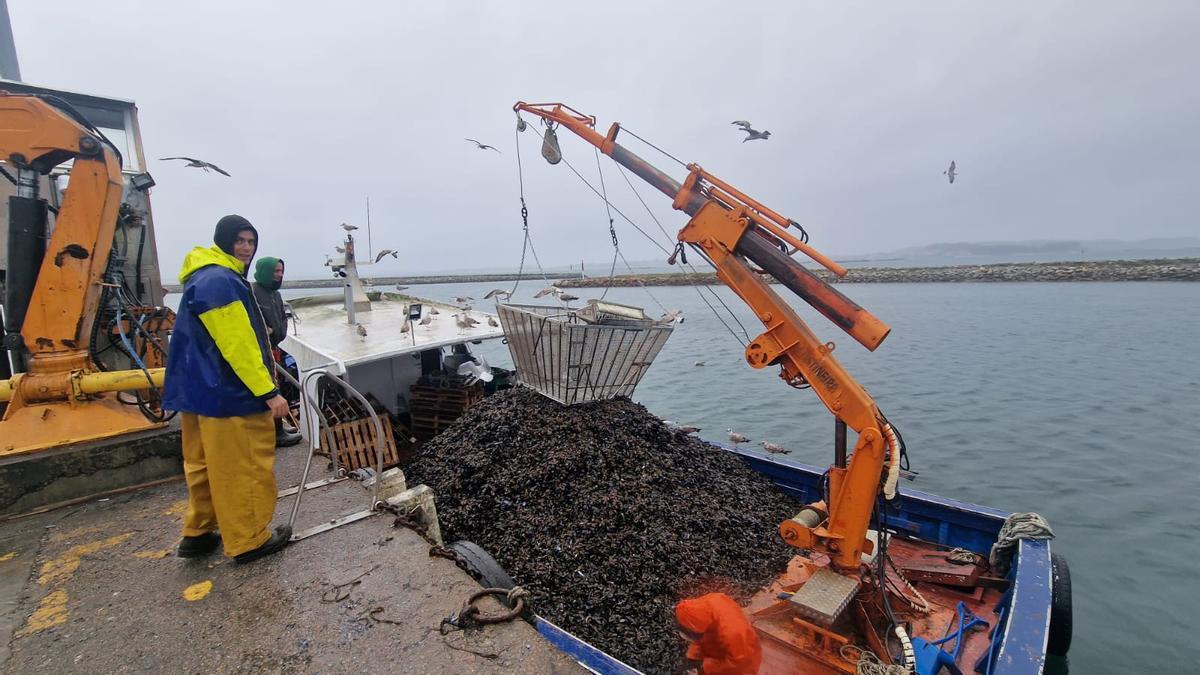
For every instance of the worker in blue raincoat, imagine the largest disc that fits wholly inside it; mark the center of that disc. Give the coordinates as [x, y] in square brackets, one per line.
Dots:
[219, 378]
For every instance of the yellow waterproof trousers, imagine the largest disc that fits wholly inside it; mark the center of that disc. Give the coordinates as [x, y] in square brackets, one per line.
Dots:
[229, 464]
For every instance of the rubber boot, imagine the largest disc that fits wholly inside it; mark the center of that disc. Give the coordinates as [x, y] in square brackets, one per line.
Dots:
[285, 438]
[281, 537]
[198, 546]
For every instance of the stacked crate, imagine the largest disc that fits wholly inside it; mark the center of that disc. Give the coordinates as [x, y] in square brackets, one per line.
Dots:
[435, 403]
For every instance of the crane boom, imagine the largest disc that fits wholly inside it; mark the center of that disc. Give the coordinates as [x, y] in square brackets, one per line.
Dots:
[734, 230]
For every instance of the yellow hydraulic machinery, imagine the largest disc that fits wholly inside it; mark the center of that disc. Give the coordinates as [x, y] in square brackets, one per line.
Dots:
[63, 397]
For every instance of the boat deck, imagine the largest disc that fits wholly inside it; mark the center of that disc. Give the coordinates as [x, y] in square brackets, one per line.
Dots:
[324, 336]
[97, 588]
[784, 647]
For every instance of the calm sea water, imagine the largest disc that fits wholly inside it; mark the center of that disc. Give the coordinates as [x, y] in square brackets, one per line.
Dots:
[1078, 401]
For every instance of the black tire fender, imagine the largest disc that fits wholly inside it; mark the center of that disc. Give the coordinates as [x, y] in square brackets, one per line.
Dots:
[482, 565]
[1061, 621]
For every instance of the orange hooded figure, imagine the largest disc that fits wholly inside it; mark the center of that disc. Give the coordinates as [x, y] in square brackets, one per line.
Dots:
[728, 644]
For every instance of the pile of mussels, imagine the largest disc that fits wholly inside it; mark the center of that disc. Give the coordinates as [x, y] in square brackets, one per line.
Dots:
[605, 514]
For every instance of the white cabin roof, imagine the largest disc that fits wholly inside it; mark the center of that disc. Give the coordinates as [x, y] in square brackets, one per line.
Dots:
[324, 337]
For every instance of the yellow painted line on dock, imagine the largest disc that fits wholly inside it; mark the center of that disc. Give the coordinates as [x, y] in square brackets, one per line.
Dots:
[8, 556]
[153, 555]
[177, 509]
[50, 612]
[197, 591]
[64, 566]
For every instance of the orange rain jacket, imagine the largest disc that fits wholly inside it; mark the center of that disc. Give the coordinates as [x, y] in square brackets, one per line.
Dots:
[728, 643]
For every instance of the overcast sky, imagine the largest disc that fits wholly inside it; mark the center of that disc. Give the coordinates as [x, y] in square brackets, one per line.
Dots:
[1067, 119]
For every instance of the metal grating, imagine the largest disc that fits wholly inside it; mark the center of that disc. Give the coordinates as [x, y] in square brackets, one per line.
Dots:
[571, 360]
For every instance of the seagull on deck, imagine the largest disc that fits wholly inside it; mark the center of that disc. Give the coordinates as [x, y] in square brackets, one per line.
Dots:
[349, 228]
[951, 172]
[752, 135]
[735, 437]
[482, 146]
[197, 163]
[498, 293]
[427, 320]
[741, 123]
[362, 331]
[384, 253]
[673, 316]
[774, 449]
[492, 322]
[404, 328]
[433, 311]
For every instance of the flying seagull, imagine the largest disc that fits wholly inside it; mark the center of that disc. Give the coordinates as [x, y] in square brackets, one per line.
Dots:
[482, 146]
[566, 297]
[752, 135]
[741, 123]
[774, 449]
[951, 172]
[349, 228]
[198, 163]
[735, 437]
[498, 293]
[400, 288]
[385, 252]
[547, 291]
[463, 299]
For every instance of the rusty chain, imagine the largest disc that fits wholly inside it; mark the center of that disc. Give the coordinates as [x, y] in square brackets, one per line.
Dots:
[471, 616]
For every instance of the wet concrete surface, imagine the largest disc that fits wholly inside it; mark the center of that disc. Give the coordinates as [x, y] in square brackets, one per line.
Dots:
[97, 588]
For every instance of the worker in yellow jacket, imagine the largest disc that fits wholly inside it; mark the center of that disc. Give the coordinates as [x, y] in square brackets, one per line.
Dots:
[219, 378]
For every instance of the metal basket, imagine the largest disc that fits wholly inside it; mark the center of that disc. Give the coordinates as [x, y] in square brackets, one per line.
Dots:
[572, 360]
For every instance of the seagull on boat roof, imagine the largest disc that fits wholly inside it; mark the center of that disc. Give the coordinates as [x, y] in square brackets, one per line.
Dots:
[752, 135]
[741, 123]
[735, 437]
[774, 449]
[492, 322]
[349, 228]
[197, 163]
[482, 146]
[498, 293]
[385, 252]
[951, 172]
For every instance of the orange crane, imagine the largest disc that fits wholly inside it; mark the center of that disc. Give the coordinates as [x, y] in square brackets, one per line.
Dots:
[733, 230]
[63, 397]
